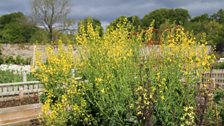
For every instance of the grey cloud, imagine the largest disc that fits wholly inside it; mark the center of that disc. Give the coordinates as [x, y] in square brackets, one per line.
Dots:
[9, 6]
[206, 6]
[107, 10]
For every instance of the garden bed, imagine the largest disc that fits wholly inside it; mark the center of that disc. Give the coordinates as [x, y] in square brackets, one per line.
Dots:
[18, 102]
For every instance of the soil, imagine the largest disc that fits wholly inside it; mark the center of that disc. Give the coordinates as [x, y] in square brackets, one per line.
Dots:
[18, 102]
[24, 101]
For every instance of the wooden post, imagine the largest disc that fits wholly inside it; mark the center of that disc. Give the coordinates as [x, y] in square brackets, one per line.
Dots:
[34, 53]
[20, 92]
[213, 84]
[73, 72]
[21, 89]
[24, 76]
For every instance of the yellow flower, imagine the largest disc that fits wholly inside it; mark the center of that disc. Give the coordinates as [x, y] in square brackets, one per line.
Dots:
[139, 113]
[98, 80]
[162, 97]
[76, 108]
[102, 90]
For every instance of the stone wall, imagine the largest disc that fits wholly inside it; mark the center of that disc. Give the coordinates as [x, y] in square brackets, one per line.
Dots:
[23, 50]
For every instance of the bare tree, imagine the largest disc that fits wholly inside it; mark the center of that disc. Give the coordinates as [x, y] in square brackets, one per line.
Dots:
[50, 13]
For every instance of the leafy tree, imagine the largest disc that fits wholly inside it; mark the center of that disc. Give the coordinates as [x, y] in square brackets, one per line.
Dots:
[95, 23]
[8, 18]
[219, 39]
[212, 26]
[213, 31]
[115, 22]
[202, 18]
[134, 22]
[158, 15]
[13, 33]
[40, 36]
[13, 17]
[219, 16]
[50, 13]
[15, 28]
[179, 16]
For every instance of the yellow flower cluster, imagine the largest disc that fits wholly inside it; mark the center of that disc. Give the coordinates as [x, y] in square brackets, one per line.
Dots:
[54, 69]
[181, 48]
[188, 117]
[114, 45]
[144, 100]
[59, 61]
[117, 78]
[176, 67]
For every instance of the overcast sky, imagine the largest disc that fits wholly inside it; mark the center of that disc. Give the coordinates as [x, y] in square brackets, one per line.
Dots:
[107, 10]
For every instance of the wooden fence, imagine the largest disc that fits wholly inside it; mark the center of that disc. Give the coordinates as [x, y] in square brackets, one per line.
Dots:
[12, 94]
[26, 88]
[19, 90]
[25, 115]
[215, 75]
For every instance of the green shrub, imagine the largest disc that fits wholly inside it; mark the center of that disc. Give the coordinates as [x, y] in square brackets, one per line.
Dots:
[40, 36]
[10, 60]
[22, 61]
[121, 85]
[0, 50]
[219, 100]
[16, 60]
[1, 60]
[219, 65]
[9, 76]
[16, 28]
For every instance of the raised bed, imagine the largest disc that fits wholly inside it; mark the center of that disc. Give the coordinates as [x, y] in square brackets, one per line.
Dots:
[20, 115]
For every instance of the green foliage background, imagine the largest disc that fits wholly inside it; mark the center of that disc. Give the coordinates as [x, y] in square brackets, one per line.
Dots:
[16, 28]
